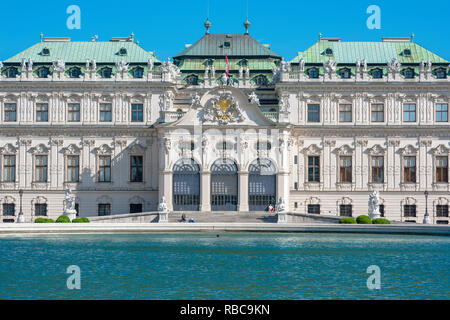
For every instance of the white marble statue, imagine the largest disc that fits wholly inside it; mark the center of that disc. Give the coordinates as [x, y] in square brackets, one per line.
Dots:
[394, 65]
[302, 65]
[281, 206]
[241, 72]
[364, 64]
[247, 72]
[224, 80]
[150, 64]
[428, 66]
[122, 66]
[70, 205]
[422, 66]
[329, 66]
[93, 65]
[374, 204]
[358, 66]
[253, 98]
[30, 64]
[195, 100]
[23, 65]
[162, 206]
[59, 65]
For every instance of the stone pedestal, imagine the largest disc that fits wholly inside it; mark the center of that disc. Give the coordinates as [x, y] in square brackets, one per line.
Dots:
[282, 217]
[426, 219]
[72, 214]
[21, 218]
[163, 217]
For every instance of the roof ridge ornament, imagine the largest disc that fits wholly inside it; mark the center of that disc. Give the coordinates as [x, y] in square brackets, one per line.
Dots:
[207, 25]
[246, 25]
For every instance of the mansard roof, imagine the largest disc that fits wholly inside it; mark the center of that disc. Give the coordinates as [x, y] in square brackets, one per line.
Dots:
[241, 45]
[374, 52]
[80, 51]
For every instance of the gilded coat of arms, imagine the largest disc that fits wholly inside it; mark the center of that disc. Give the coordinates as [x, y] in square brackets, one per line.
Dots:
[223, 109]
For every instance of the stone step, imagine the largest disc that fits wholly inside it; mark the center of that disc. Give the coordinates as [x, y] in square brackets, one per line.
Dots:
[224, 216]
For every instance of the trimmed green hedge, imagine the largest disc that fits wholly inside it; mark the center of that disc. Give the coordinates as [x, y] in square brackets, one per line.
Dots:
[363, 220]
[44, 220]
[381, 221]
[348, 220]
[80, 220]
[63, 219]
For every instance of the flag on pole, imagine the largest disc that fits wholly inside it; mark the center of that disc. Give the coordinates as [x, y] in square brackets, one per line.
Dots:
[227, 66]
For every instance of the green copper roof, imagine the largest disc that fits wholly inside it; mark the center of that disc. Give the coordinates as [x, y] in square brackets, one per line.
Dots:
[199, 64]
[373, 52]
[214, 45]
[80, 51]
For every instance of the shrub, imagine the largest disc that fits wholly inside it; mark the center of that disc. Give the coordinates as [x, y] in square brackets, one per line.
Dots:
[363, 220]
[44, 220]
[80, 220]
[381, 221]
[63, 219]
[347, 220]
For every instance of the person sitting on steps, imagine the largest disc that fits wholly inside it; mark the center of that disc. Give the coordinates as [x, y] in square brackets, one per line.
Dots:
[183, 218]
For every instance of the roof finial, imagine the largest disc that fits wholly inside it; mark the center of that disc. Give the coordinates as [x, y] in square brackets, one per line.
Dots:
[207, 25]
[132, 36]
[42, 36]
[412, 37]
[246, 25]
[320, 36]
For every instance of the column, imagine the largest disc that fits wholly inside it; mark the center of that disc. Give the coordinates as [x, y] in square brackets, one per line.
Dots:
[243, 191]
[205, 191]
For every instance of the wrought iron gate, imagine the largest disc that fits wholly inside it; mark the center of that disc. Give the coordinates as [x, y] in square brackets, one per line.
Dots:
[186, 185]
[261, 185]
[224, 185]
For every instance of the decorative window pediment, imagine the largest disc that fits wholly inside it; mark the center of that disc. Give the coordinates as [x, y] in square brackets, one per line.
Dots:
[440, 150]
[441, 201]
[104, 149]
[40, 149]
[345, 150]
[104, 199]
[8, 149]
[313, 150]
[377, 150]
[345, 201]
[137, 147]
[408, 201]
[38, 200]
[72, 149]
[408, 150]
[136, 199]
[313, 200]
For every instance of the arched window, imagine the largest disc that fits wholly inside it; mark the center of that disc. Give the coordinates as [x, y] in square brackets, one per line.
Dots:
[192, 80]
[243, 63]
[75, 72]
[345, 73]
[313, 73]
[328, 51]
[43, 72]
[408, 73]
[261, 80]
[377, 73]
[407, 53]
[123, 51]
[261, 185]
[224, 185]
[45, 52]
[440, 73]
[106, 72]
[138, 72]
[186, 185]
[11, 72]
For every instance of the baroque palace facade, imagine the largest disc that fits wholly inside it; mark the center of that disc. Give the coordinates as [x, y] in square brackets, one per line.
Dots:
[122, 129]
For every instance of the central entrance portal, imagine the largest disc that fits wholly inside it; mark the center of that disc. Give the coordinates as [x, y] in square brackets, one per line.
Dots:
[186, 185]
[224, 185]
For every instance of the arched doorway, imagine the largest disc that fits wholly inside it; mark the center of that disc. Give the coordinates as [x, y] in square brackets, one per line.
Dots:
[261, 184]
[224, 185]
[186, 185]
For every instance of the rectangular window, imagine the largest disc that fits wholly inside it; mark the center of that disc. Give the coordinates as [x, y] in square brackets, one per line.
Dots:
[41, 112]
[314, 169]
[295, 159]
[409, 210]
[9, 209]
[442, 210]
[313, 113]
[10, 112]
[104, 169]
[73, 112]
[314, 208]
[345, 210]
[377, 112]
[441, 112]
[137, 113]
[105, 112]
[73, 168]
[41, 169]
[104, 209]
[409, 169]
[77, 209]
[40, 209]
[409, 113]
[378, 169]
[442, 169]
[136, 168]
[135, 207]
[9, 168]
[381, 210]
[345, 164]
[345, 113]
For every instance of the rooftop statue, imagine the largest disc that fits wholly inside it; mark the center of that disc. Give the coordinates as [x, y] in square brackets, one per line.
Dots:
[59, 65]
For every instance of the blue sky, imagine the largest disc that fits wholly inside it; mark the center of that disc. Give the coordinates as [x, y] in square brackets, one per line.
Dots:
[165, 26]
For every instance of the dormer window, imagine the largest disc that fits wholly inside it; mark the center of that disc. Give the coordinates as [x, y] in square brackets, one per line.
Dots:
[227, 44]
[11, 72]
[192, 80]
[209, 62]
[243, 63]
[440, 73]
[328, 51]
[74, 72]
[408, 73]
[377, 73]
[261, 80]
[43, 72]
[45, 52]
[138, 72]
[106, 72]
[123, 51]
[313, 73]
[345, 73]
[407, 53]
